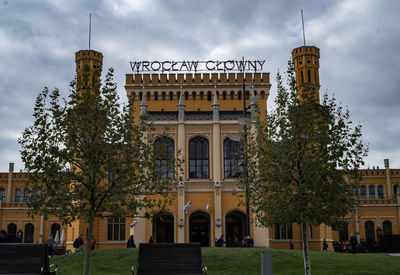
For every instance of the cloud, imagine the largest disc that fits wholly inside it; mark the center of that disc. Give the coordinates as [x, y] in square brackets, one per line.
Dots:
[358, 42]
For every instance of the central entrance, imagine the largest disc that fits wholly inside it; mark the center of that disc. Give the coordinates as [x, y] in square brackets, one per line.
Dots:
[163, 228]
[199, 228]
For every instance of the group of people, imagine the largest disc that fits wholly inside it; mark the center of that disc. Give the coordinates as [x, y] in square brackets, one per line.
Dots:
[14, 238]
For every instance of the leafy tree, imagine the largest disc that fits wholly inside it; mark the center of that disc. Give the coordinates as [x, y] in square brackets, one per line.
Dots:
[303, 165]
[88, 158]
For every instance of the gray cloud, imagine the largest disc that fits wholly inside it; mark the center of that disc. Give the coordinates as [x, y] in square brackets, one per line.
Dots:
[358, 42]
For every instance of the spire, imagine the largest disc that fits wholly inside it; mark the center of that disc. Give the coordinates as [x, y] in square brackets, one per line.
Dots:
[253, 105]
[181, 106]
[215, 105]
[143, 105]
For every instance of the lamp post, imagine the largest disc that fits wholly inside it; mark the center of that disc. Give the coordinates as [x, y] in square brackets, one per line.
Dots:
[246, 183]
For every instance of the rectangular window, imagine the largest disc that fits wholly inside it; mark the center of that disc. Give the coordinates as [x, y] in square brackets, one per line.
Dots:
[116, 229]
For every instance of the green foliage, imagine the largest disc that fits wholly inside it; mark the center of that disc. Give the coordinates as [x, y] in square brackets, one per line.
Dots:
[304, 164]
[303, 160]
[87, 158]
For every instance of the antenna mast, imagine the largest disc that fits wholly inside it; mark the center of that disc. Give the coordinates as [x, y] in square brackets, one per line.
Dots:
[302, 22]
[90, 27]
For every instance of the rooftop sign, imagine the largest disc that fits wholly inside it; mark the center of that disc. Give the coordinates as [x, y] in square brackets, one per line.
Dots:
[197, 66]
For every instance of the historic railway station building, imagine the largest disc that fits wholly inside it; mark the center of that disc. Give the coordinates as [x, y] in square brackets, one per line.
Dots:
[199, 112]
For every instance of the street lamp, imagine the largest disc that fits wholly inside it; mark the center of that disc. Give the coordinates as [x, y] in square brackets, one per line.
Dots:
[245, 170]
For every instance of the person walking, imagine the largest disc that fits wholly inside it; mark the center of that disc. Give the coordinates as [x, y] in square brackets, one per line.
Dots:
[291, 245]
[78, 243]
[353, 243]
[325, 246]
[3, 236]
[93, 246]
[50, 244]
[19, 236]
[131, 242]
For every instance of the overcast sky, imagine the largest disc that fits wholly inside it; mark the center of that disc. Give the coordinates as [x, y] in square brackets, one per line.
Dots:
[359, 43]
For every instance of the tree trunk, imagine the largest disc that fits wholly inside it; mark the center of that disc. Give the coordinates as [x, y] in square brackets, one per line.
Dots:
[86, 270]
[307, 265]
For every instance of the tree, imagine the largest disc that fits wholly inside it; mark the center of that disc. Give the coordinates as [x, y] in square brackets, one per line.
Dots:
[303, 167]
[87, 157]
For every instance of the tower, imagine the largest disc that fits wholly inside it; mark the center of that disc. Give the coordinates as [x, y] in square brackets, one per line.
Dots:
[306, 65]
[89, 60]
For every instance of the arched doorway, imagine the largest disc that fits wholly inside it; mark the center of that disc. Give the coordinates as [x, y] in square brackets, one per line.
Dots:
[163, 228]
[54, 228]
[199, 228]
[369, 231]
[12, 232]
[235, 227]
[29, 232]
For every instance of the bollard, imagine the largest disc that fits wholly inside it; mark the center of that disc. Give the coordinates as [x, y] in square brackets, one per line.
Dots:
[266, 263]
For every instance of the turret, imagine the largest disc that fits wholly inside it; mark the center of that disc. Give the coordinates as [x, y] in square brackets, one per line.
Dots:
[93, 62]
[306, 65]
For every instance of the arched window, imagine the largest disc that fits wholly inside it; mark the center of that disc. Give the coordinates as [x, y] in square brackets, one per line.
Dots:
[387, 228]
[369, 231]
[232, 95]
[232, 158]
[302, 77]
[209, 96]
[224, 95]
[163, 96]
[309, 75]
[54, 228]
[371, 191]
[363, 192]
[171, 95]
[29, 233]
[164, 157]
[343, 232]
[380, 191]
[2, 194]
[18, 195]
[198, 158]
[186, 96]
[12, 232]
[26, 194]
[239, 95]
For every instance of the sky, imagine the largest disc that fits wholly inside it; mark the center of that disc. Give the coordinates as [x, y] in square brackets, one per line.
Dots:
[358, 40]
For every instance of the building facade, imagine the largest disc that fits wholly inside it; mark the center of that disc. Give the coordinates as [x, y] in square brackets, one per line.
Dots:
[198, 115]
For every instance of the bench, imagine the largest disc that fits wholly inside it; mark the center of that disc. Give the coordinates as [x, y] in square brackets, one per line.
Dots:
[24, 258]
[170, 258]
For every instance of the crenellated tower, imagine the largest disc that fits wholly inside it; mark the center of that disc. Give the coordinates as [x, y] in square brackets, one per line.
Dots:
[306, 65]
[93, 61]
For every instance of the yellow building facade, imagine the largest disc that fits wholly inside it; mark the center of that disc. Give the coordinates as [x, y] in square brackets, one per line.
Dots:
[200, 114]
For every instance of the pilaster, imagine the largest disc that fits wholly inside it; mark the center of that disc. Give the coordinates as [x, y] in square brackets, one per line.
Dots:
[388, 181]
[41, 229]
[9, 187]
[182, 174]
